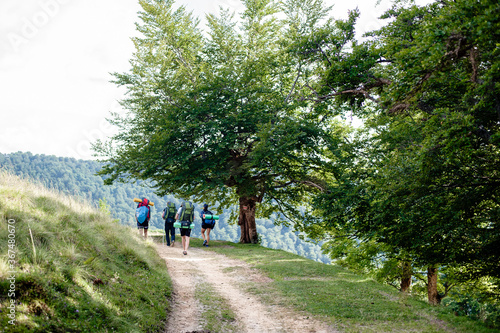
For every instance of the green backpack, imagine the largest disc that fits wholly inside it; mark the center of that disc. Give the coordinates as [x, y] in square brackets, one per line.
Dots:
[187, 212]
[169, 211]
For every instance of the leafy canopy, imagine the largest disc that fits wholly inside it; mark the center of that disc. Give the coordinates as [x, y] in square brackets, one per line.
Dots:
[215, 115]
[422, 177]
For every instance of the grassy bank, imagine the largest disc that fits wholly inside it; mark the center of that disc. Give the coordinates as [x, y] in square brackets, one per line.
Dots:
[73, 269]
[350, 302]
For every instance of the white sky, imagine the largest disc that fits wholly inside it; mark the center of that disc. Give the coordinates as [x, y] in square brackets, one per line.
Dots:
[55, 60]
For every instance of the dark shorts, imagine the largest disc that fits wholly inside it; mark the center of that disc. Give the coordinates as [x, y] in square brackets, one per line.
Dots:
[185, 232]
[144, 225]
[207, 226]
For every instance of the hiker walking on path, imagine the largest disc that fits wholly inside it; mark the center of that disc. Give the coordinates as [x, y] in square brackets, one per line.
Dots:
[169, 217]
[185, 215]
[143, 215]
[206, 225]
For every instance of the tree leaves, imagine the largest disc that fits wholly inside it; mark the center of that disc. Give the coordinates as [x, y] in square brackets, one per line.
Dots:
[215, 114]
[425, 181]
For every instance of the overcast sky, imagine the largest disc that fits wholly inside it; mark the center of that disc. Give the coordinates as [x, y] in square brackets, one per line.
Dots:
[55, 60]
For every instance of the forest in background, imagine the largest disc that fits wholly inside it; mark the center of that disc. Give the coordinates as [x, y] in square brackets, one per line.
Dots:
[78, 178]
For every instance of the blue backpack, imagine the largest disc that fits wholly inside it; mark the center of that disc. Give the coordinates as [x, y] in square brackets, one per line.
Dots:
[142, 214]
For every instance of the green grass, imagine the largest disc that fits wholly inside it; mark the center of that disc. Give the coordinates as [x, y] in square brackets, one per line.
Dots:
[216, 313]
[81, 272]
[350, 302]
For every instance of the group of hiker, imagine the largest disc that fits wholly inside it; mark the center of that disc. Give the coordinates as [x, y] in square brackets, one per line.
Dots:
[182, 218]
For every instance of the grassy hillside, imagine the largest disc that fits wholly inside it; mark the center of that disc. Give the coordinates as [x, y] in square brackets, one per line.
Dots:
[65, 267]
[351, 302]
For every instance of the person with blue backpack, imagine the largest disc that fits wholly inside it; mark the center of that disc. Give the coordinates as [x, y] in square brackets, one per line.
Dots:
[142, 216]
[206, 224]
[169, 217]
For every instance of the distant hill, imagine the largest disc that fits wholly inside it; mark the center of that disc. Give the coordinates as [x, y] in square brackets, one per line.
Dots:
[78, 177]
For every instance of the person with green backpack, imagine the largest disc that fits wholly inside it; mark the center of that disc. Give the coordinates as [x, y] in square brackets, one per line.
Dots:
[169, 217]
[185, 218]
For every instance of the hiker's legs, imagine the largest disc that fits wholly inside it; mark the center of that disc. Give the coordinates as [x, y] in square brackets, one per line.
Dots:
[172, 232]
[185, 233]
[145, 233]
[203, 233]
[185, 242]
[208, 235]
[168, 230]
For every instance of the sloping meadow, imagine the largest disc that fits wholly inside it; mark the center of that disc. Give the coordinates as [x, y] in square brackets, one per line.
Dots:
[67, 267]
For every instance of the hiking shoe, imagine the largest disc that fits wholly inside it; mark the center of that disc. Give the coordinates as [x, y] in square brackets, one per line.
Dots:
[185, 252]
[172, 244]
[204, 243]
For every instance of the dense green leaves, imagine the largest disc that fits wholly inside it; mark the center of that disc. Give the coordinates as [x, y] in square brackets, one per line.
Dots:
[219, 114]
[423, 179]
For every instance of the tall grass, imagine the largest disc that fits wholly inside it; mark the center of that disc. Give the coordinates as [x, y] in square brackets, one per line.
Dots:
[78, 270]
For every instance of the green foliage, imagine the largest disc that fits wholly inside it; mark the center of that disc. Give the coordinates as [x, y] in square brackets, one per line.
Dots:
[75, 270]
[211, 114]
[421, 177]
[104, 207]
[470, 306]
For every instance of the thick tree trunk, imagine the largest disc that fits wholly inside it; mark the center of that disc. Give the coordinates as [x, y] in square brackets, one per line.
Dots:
[247, 221]
[432, 293]
[406, 276]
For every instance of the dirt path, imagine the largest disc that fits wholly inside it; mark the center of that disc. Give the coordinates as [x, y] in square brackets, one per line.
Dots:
[225, 276]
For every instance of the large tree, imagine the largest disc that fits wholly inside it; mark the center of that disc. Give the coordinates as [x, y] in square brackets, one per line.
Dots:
[424, 179]
[210, 115]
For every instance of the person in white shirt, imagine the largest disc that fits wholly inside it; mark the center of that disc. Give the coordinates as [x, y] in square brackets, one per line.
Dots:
[185, 232]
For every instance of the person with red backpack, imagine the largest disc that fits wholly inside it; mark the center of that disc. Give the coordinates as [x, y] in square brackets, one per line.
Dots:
[142, 216]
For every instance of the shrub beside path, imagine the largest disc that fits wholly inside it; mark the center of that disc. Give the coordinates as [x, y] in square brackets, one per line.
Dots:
[203, 269]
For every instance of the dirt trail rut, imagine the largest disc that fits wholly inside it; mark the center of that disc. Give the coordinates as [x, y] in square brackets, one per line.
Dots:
[202, 266]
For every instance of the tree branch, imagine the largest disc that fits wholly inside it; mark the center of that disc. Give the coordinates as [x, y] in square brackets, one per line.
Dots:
[304, 182]
[293, 87]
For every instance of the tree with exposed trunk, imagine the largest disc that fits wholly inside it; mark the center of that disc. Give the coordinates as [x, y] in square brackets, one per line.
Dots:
[406, 275]
[211, 115]
[432, 282]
